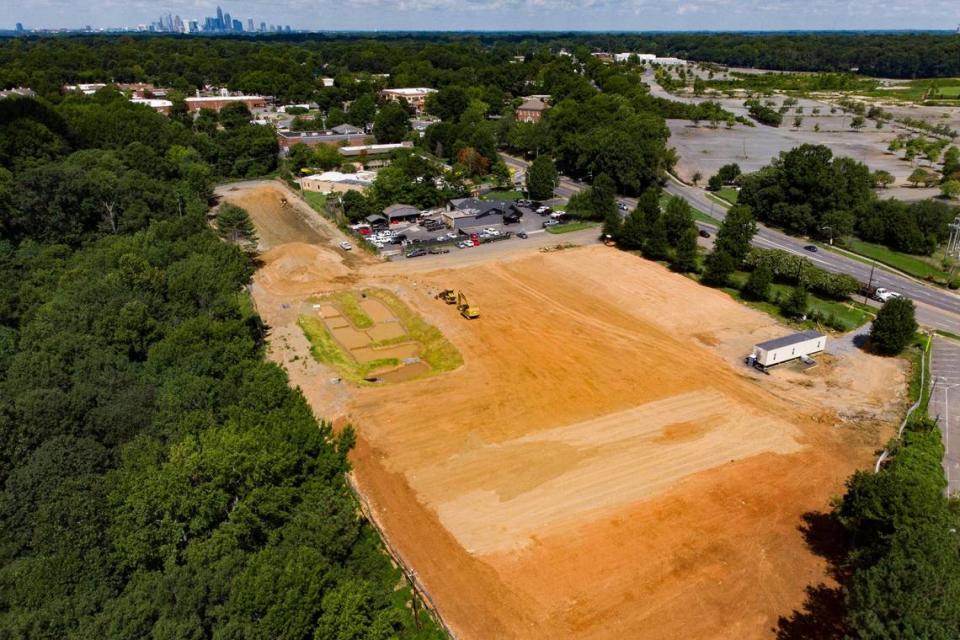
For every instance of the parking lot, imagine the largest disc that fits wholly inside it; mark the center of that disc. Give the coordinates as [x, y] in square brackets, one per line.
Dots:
[403, 238]
[945, 405]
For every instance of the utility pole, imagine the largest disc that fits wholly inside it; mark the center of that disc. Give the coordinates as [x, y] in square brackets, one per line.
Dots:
[873, 265]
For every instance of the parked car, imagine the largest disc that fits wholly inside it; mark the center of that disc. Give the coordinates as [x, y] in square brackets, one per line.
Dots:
[464, 245]
[346, 246]
[812, 248]
[544, 210]
[522, 234]
[416, 253]
[550, 223]
[703, 233]
[438, 250]
[623, 206]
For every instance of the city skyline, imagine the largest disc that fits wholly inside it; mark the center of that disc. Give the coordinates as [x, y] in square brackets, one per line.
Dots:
[497, 15]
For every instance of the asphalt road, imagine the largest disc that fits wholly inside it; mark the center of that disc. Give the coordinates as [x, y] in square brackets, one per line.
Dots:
[936, 308]
[945, 405]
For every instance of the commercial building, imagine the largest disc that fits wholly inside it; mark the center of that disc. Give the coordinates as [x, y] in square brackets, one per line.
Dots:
[337, 182]
[161, 106]
[532, 109]
[373, 149]
[416, 97]
[464, 214]
[401, 213]
[17, 91]
[219, 102]
[648, 58]
[287, 139]
[786, 348]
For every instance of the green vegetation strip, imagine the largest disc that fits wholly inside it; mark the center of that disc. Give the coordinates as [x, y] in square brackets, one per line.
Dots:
[844, 315]
[915, 266]
[505, 196]
[348, 304]
[435, 350]
[570, 226]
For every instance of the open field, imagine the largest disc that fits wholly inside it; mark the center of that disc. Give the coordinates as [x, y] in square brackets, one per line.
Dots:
[601, 466]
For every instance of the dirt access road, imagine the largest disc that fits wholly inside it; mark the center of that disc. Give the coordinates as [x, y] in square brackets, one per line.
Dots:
[601, 466]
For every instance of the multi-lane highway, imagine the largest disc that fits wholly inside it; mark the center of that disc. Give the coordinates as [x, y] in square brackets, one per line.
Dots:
[936, 308]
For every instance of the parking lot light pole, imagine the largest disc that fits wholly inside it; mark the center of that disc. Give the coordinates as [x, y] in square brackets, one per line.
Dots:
[827, 227]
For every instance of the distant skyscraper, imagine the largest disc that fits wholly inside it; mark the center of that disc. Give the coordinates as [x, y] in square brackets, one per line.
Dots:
[19, 27]
[219, 18]
[263, 27]
[194, 26]
[227, 22]
[250, 25]
[237, 26]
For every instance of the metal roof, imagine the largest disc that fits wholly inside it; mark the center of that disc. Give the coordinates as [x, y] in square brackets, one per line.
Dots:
[786, 341]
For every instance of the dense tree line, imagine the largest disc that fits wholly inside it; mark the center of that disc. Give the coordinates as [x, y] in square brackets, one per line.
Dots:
[808, 191]
[903, 557]
[158, 477]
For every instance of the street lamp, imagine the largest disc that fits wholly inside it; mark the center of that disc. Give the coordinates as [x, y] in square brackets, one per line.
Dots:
[830, 229]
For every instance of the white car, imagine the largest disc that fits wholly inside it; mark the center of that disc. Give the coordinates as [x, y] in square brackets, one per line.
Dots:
[346, 246]
[882, 295]
[464, 245]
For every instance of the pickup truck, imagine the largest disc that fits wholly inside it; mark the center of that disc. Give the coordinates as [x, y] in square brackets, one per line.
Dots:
[882, 295]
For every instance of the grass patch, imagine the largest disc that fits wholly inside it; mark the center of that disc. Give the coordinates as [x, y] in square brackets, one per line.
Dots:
[916, 266]
[350, 307]
[436, 350]
[729, 194]
[571, 226]
[846, 315]
[505, 196]
[948, 334]
[915, 390]
[316, 200]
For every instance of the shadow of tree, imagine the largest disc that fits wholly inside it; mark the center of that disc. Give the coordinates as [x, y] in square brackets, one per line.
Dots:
[823, 612]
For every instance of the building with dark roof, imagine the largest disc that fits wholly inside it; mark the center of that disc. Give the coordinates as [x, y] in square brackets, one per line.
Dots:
[463, 214]
[400, 213]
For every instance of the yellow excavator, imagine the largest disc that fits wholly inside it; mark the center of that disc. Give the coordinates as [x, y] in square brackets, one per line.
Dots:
[447, 296]
[467, 310]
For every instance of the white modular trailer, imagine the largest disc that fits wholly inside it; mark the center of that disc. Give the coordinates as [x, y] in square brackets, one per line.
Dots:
[786, 348]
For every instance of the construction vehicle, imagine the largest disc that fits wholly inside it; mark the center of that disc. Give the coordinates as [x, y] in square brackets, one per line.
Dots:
[447, 296]
[467, 310]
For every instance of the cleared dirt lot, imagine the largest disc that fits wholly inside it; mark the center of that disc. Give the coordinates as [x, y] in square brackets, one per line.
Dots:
[601, 466]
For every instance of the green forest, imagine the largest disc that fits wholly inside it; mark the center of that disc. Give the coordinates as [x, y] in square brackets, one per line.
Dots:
[159, 477]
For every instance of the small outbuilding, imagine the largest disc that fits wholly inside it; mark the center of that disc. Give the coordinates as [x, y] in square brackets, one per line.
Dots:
[786, 348]
[401, 213]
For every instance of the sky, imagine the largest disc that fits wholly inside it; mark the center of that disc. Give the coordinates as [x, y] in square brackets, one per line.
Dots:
[620, 15]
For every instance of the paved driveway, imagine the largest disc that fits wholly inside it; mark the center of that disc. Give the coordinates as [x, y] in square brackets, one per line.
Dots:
[945, 405]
